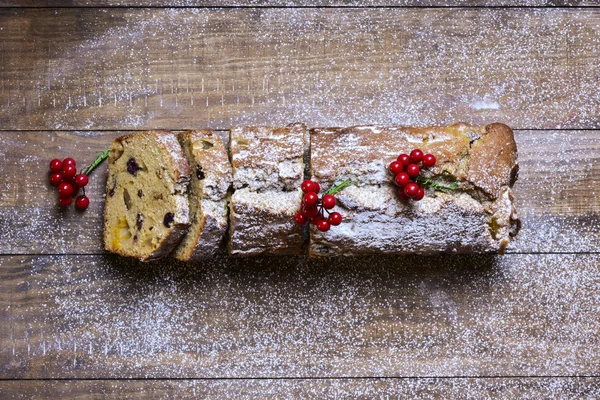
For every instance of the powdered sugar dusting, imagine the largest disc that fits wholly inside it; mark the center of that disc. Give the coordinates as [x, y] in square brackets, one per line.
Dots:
[378, 316]
[191, 68]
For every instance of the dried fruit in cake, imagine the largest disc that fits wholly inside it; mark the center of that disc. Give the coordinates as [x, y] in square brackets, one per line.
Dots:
[208, 196]
[153, 163]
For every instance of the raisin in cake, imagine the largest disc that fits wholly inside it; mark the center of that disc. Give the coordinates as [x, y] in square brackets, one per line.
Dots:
[268, 169]
[210, 181]
[146, 210]
[478, 217]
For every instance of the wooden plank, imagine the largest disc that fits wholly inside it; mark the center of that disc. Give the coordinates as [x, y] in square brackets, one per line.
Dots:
[299, 3]
[107, 317]
[557, 192]
[189, 68]
[434, 388]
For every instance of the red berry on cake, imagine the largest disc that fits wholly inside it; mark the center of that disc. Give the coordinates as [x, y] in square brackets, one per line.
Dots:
[315, 220]
[328, 201]
[396, 167]
[404, 159]
[413, 170]
[402, 179]
[65, 190]
[323, 225]
[416, 156]
[82, 202]
[69, 171]
[308, 186]
[402, 195]
[311, 199]
[317, 187]
[420, 194]
[81, 180]
[69, 161]
[56, 165]
[300, 218]
[56, 178]
[429, 160]
[310, 211]
[335, 218]
[411, 190]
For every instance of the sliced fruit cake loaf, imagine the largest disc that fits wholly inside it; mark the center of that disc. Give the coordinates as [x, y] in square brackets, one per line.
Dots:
[268, 169]
[209, 194]
[471, 210]
[146, 210]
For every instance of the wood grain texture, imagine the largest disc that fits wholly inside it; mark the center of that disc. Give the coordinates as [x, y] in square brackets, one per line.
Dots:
[557, 192]
[507, 388]
[191, 68]
[298, 3]
[105, 317]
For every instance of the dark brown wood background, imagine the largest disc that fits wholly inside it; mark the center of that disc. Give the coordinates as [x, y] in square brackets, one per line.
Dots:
[78, 323]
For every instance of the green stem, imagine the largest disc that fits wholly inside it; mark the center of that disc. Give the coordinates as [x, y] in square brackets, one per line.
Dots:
[436, 186]
[103, 156]
[339, 187]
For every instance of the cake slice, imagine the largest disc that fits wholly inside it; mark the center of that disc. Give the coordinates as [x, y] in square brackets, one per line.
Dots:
[210, 181]
[479, 216]
[268, 169]
[146, 210]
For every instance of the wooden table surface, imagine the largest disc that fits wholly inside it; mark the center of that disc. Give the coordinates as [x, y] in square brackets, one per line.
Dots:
[79, 323]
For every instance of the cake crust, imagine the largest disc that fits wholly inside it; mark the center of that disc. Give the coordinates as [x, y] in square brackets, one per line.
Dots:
[268, 169]
[210, 181]
[482, 160]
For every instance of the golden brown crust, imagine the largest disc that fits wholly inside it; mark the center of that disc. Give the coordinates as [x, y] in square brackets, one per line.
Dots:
[492, 159]
[267, 158]
[480, 159]
[210, 180]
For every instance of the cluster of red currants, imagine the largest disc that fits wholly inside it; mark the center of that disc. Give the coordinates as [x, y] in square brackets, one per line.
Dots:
[406, 170]
[313, 209]
[64, 175]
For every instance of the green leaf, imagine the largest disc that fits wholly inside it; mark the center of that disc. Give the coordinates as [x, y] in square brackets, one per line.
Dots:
[437, 186]
[339, 187]
[103, 156]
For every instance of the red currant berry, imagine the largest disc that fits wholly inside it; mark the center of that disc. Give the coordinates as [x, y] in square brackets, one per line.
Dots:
[308, 186]
[311, 199]
[402, 195]
[65, 201]
[310, 211]
[82, 202]
[335, 218]
[56, 165]
[323, 225]
[69, 171]
[301, 219]
[411, 189]
[416, 155]
[328, 201]
[315, 220]
[65, 190]
[81, 180]
[413, 170]
[396, 167]
[402, 179]
[69, 161]
[404, 159]
[317, 187]
[56, 178]
[429, 160]
[420, 194]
